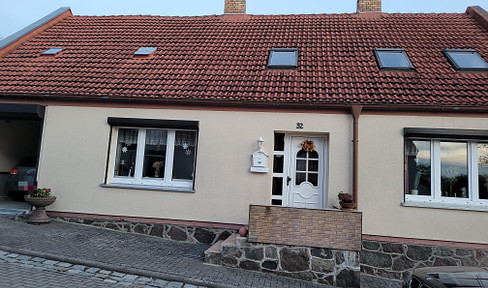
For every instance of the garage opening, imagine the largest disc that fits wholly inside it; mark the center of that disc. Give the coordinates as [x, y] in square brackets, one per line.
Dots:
[20, 138]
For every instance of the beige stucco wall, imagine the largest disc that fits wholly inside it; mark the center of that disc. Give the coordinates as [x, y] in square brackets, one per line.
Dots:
[381, 184]
[75, 149]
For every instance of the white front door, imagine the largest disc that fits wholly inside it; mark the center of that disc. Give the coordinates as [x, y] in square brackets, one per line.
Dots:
[306, 171]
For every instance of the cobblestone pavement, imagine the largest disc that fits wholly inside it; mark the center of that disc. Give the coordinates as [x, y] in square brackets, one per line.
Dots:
[37, 272]
[129, 254]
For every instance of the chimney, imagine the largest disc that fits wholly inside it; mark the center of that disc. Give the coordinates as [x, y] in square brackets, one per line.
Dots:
[235, 7]
[369, 6]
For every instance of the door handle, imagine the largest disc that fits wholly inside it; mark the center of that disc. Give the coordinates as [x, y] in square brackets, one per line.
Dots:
[288, 179]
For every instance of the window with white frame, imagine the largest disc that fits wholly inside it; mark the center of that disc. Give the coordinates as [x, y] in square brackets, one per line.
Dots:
[449, 168]
[154, 156]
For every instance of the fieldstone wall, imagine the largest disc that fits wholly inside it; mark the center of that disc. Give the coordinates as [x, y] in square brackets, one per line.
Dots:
[396, 261]
[320, 265]
[204, 235]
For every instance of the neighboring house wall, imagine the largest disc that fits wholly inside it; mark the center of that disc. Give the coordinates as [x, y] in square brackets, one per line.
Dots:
[74, 158]
[381, 183]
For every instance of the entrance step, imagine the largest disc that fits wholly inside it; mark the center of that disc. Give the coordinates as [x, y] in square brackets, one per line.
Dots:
[213, 255]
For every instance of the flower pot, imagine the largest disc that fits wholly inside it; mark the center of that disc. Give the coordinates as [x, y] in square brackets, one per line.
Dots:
[345, 205]
[39, 215]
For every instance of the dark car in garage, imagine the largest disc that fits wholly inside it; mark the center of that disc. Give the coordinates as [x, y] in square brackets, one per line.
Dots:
[449, 276]
[22, 178]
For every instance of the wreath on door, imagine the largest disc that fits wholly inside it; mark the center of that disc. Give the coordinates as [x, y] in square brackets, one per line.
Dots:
[308, 145]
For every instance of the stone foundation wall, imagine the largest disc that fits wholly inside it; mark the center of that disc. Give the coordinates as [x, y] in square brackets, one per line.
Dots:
[396, 261]
[320, 265]
[204, 235]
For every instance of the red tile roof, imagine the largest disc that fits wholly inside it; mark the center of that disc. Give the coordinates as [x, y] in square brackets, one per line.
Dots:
[213, 60]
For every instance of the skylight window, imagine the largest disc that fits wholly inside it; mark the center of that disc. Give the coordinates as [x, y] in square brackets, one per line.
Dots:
[52, 51]
[392, 59]
[466, 59]
[283, 58]
[145, 51]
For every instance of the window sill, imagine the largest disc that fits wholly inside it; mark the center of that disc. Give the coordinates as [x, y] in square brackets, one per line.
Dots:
[450, 206]
[147, 187]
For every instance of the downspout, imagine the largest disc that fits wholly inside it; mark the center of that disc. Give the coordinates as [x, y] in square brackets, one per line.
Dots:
[356, 112]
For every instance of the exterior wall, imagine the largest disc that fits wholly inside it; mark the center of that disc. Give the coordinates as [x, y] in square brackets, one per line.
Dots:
[381, 184]
[75, 148]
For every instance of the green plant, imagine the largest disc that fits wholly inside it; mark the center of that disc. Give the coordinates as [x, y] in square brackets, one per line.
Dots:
[345, 197]
[41, 193]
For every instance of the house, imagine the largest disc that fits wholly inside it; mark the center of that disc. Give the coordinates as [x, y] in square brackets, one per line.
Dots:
[154, 119]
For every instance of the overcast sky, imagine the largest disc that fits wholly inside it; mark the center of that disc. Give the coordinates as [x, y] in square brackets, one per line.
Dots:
[17, 14]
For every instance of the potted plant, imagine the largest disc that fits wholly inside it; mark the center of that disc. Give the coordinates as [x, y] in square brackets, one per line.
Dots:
[346, 200]
[40, 198]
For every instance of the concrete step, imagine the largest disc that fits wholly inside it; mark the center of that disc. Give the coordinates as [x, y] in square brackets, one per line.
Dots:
[213, 255]
[231, 241]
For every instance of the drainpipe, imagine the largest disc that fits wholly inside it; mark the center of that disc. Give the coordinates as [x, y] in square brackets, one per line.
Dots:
[356, 112]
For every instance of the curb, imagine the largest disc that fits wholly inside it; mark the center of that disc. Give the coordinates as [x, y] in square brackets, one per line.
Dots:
[115, 268]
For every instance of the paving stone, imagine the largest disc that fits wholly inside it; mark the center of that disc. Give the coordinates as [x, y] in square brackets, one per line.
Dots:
[64, 264]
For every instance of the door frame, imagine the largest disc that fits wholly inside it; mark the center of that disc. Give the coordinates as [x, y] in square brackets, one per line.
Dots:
[288, 167]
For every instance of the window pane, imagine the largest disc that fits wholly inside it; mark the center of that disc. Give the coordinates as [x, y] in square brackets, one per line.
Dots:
[276, 202]
[483, 170]
[301, 165]
[313, 155]
[417, 154]
[468, 60]
[125, 158]
[184, 157]
[283, 58]
[313, 165]
[278, 163]
[277, 186]
[279, 142]
[454, 169]
[313, 178]
[300, 177]
[155, 153]
[302, 154]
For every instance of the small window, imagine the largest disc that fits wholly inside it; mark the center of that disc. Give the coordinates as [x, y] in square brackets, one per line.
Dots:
[52, 51]
[283, 58]
[392, 59]
[466, 59]
[145, 51]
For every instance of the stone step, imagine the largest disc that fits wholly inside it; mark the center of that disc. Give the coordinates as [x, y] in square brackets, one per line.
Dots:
[231, 241]
[213, 254]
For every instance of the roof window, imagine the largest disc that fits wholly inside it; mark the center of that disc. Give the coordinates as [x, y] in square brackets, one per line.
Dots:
[283, 58]
[145, 51]
[392, 59]
[466, 59]
[52, 51]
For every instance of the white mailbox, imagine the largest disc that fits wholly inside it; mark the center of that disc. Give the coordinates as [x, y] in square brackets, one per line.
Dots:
[259, 159]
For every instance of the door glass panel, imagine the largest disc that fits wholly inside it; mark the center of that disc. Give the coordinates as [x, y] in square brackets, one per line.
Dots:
[154, 153]
[279, 142]
[313, 155]
[125, 158]
[300, 178]
[301, 165]
[277, 188]
[276, 202]
[278, 163]
[184, 156]
[483, 170]
[313, 165]
[302, 154]
[417, 155]
[454, 169]
[313, 178]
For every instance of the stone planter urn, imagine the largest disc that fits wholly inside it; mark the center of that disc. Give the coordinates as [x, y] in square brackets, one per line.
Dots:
[39, 215]
[347, 205]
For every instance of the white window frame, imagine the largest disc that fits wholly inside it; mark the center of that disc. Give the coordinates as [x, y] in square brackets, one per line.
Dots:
[147, 182]
[436, 200]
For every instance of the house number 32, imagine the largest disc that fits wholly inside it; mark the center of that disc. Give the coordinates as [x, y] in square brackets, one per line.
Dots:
[299, 125]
